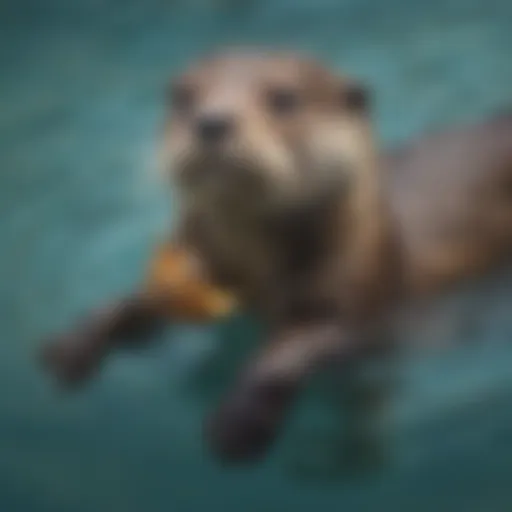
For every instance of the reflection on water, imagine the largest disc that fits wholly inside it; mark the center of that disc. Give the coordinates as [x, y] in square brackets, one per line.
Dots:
[79, 106]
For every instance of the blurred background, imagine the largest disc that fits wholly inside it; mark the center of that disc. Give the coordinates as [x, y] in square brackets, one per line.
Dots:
[81, 86]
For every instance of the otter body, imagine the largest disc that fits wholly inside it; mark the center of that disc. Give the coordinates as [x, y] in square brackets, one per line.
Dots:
[450, 195]
[289, 210]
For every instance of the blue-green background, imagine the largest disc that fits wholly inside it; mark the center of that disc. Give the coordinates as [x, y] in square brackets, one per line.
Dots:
[80, 93]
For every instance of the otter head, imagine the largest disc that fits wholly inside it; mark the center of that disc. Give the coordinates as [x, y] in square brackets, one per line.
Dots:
[265, 129]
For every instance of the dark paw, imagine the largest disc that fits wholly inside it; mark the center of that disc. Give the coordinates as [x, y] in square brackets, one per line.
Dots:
[71, 361]
[245, 426]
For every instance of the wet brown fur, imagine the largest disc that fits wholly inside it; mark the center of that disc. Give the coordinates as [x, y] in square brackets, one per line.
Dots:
[325, 272]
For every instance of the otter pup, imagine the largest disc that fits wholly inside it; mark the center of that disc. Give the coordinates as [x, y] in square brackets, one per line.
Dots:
[288, 210]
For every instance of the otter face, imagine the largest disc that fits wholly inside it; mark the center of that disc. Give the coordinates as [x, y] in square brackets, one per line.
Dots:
[260, 128]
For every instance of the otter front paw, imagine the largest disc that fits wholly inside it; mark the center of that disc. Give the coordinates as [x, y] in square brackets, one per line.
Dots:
[247, 424]
[71, 360]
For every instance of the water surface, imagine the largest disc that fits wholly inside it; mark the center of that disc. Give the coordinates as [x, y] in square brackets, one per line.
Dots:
[80, 98]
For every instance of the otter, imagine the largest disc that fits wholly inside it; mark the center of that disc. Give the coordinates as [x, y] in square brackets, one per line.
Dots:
[289, 210]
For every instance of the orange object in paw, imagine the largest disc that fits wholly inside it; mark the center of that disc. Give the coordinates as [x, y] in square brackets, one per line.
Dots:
[176, 277]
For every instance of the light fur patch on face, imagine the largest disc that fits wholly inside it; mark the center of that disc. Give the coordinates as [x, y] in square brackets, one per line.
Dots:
[263, 153]
[177, 153]
[335, 145]
[172, 153]
[253, 170]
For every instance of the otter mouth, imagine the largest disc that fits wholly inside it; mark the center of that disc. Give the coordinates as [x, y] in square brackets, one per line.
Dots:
[222, 169]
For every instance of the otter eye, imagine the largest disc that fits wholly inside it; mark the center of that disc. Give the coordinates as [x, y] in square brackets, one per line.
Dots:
[283, 101]
[181, 98]
[355, 98]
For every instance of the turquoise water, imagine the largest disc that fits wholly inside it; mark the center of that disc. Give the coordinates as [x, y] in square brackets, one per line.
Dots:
[80, 91]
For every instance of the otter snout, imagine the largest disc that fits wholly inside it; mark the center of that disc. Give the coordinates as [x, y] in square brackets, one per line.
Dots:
[214, 128]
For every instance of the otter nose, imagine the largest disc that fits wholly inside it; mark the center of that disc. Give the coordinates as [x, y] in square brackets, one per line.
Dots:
[214, 128]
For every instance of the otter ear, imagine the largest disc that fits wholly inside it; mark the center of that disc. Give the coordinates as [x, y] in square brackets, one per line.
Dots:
[355, 97]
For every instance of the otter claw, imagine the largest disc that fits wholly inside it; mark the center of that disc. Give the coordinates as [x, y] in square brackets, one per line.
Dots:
[245, 426]
[69, 361]
[239, 435]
